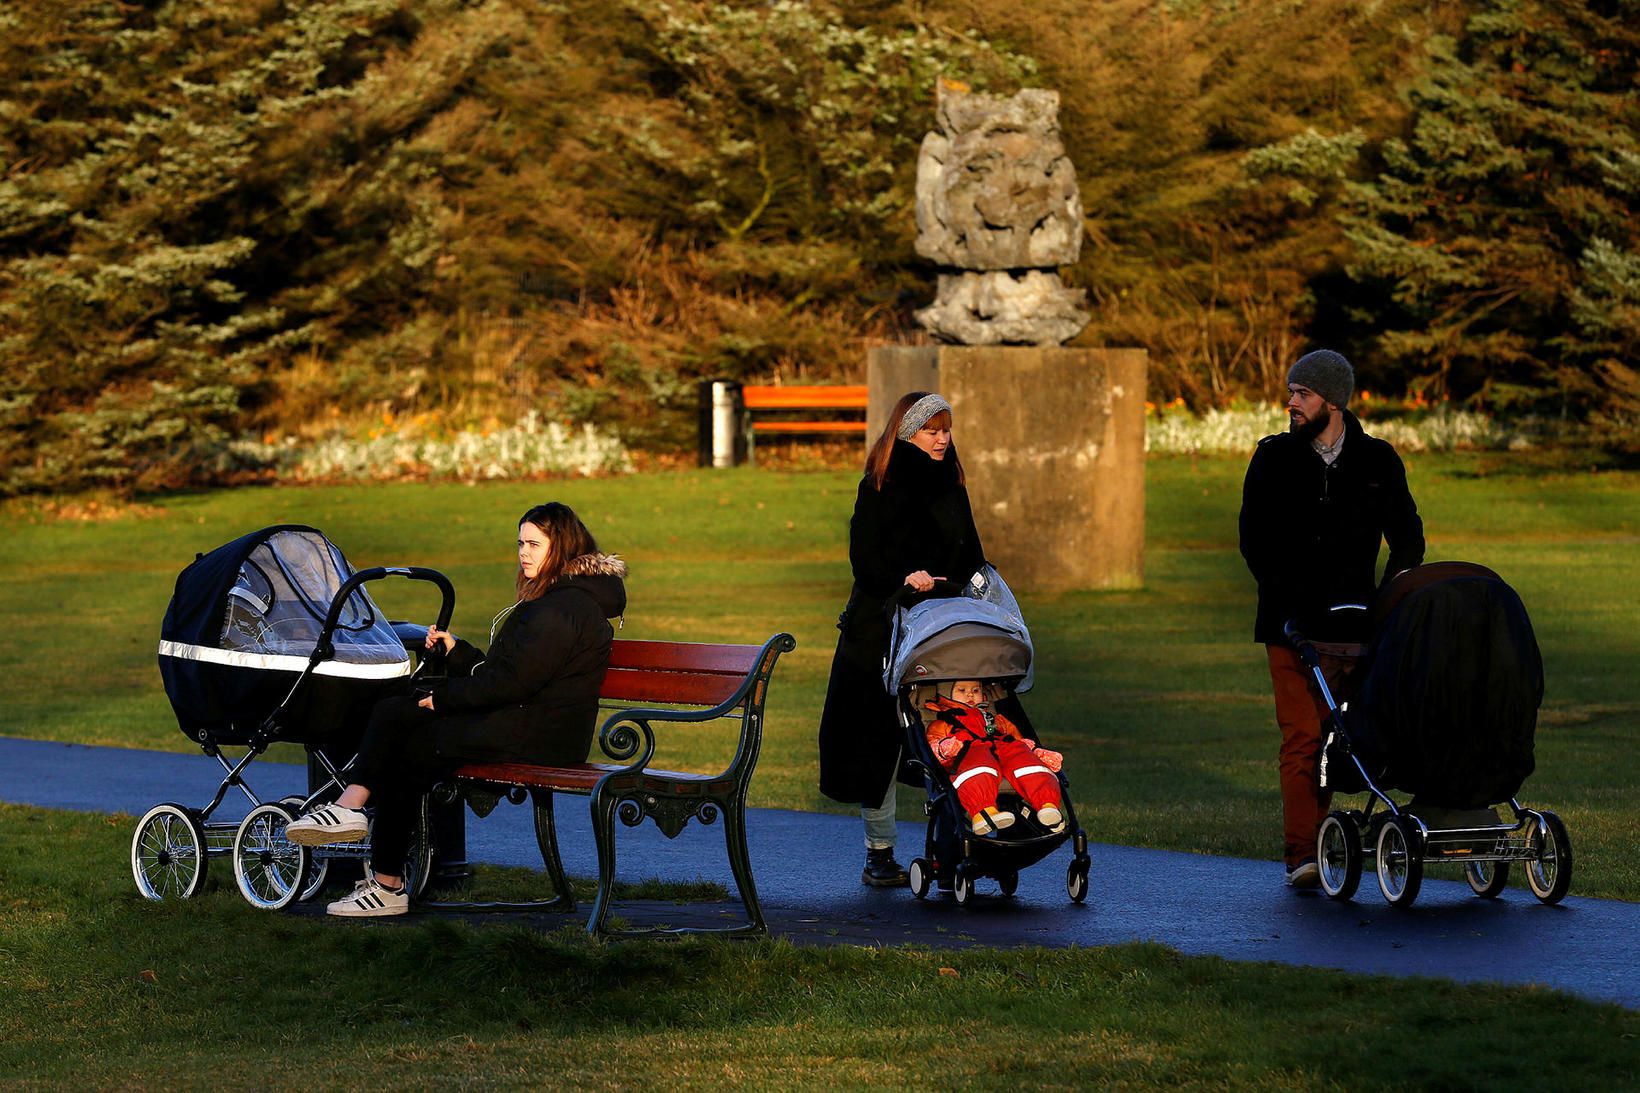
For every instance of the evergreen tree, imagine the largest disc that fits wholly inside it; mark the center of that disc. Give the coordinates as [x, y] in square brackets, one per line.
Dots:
[1501, 226]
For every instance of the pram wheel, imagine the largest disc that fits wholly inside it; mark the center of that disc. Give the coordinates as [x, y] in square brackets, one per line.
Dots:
[1487, 878]
[318, 873]
[965, 885]
[1009, 882]
[269, 869]
[1400, 861]
[1338, 852]
[1550, 872]
[1076, 880]
[168, 853]
[922, 879]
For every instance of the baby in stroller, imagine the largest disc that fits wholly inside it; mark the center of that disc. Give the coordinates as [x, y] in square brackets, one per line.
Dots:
[978, 748]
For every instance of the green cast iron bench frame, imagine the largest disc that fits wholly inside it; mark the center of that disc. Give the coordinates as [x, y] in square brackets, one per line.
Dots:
[679, 683]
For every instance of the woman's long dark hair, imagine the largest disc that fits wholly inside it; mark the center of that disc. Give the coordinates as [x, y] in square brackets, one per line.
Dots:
[567, 539]
[877, 459]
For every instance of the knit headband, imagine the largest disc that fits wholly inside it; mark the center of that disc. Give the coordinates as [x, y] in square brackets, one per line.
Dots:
[921, 410]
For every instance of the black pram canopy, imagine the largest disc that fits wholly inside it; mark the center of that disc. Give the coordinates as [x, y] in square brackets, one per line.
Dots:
[242, 624]
[1447, 706]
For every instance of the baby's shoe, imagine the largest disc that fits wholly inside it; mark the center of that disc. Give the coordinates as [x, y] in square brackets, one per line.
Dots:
[990, 820]
[1051, 818]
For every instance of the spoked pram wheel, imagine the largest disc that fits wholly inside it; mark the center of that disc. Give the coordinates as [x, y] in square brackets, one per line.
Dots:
[1338, 853]
[1400, 861]
[318, 868]
[1488, 879]
[1550, 872]
[270, 870]
[168, 853]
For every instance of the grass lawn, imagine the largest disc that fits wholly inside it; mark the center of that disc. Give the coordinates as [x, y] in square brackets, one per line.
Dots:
[1157, 696]
[99, 989]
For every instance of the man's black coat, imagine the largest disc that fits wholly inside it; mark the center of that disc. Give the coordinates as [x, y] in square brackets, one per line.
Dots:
[1310, 532]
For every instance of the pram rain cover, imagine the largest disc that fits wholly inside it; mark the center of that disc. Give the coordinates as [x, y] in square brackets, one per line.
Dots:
[245, 619]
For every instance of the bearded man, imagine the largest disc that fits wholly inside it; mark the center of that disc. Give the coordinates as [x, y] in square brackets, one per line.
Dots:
[1317, 502]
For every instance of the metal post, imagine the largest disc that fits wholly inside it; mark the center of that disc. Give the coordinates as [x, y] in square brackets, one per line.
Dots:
[725, 422]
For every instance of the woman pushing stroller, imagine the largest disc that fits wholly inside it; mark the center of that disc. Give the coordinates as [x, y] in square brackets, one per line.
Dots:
[912, 525]
[533, 698]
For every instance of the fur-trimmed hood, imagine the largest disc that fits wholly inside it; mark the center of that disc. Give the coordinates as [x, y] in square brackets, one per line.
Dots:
[596, 565]
[602, 576]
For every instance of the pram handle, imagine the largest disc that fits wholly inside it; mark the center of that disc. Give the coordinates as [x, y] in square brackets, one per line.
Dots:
[1301, 645]
[324, 649]
[943, 587]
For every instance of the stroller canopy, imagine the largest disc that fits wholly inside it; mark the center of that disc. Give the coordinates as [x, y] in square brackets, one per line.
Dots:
[1447, 708]
[979, 634]
[257, 605]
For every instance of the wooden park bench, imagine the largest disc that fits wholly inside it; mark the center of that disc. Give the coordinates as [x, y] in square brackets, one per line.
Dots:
[651, 683]
[760, 401]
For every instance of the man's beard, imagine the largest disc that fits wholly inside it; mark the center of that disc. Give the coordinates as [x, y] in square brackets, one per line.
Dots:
[1314, 427]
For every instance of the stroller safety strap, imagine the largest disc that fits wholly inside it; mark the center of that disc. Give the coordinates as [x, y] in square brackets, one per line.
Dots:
[973, 772]
[273, 662]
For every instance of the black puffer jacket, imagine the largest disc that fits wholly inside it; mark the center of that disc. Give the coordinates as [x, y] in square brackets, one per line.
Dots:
[920, 519]
[534, 695]
[1311, 533]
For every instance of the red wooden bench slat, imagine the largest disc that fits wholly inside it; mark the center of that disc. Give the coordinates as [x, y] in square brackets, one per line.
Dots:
[690, 688]
[682, 656]
[846, 397]
[809, 426]
[581, 776]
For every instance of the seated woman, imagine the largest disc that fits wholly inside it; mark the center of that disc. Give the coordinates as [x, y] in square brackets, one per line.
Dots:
[532, 699]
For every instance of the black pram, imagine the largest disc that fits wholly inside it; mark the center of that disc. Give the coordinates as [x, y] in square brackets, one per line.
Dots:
[271, 638]
[971, 632]
[1442, 705]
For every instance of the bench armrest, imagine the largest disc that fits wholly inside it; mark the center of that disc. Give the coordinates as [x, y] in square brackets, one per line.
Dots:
[627, 735]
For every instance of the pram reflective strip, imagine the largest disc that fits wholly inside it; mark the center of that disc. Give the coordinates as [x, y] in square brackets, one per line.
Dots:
[972, 772]
[272, 663]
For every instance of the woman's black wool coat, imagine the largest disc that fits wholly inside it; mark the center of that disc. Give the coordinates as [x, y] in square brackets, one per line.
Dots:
[920, 519]
[533, 697]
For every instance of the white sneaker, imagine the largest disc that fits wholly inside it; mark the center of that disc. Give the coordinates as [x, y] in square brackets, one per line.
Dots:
[1051, 818]
[371, 899]
[1306, 874]
[327, 825]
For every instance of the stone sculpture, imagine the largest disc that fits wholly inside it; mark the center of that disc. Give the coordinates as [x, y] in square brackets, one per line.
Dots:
[997, 204]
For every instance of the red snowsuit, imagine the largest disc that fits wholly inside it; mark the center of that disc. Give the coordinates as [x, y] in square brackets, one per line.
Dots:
[993, 748]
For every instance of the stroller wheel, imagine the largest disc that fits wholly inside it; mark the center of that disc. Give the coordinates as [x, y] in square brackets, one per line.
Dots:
[270, 870]
[1400, 862]
[965, 885]
[1076, 880]
[1487, 878]
[1009, 882]
[168, 853]
[1550, 872]
[921, 878]
[1338, 852]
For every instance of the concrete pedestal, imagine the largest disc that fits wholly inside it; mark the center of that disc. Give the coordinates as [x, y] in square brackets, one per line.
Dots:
[1053, 442]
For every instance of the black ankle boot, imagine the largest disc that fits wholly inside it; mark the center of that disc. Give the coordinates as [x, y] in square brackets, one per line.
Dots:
[882, 871]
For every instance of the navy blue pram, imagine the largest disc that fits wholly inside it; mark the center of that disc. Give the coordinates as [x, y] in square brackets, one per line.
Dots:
[1441, 704]
[272, 638]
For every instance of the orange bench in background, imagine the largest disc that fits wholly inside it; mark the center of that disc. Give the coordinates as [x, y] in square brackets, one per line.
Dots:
[733, 415]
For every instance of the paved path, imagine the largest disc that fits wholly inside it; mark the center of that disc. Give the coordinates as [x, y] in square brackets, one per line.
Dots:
[807, 867]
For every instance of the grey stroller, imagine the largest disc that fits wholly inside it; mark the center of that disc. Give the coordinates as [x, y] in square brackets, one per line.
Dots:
[961, 632]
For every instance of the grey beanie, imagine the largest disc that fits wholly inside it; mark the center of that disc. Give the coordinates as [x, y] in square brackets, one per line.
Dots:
[1326, 373]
